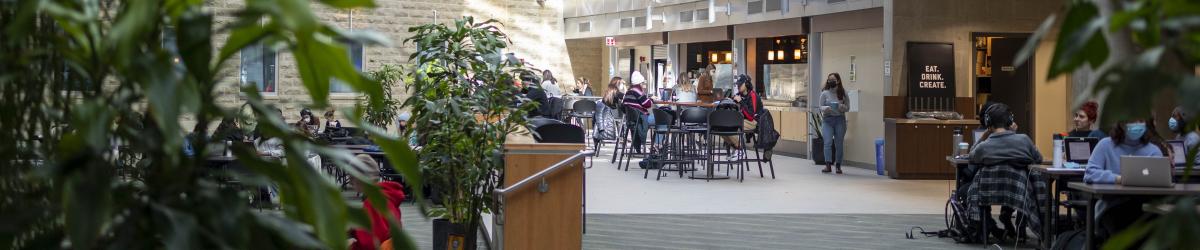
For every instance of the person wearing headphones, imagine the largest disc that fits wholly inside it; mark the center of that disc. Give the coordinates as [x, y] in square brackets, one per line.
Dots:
[997, 169]
[749, 105]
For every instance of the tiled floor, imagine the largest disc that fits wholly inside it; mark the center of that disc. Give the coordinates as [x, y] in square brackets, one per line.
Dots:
[800, 209]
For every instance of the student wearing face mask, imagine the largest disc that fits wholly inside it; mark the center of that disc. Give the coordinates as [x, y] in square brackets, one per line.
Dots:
[1179, 124]
[1129, 138]
[704, 86]
[1085, 121]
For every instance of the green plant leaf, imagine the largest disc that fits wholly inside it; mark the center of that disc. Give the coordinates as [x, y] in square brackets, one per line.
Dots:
[1079, 40]
[194, 34]
[347, 4]
[287, 229]
[1032, 43]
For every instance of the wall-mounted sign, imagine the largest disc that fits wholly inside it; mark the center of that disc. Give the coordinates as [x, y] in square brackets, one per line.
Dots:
[853, 70]
[610, 41]
[930, 69]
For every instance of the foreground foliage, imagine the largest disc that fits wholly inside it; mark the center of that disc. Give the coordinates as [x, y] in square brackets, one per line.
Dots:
[79, 79]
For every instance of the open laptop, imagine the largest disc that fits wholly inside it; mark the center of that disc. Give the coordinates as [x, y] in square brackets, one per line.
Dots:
[1180, 152]
[1079, 149]
[1146, 171]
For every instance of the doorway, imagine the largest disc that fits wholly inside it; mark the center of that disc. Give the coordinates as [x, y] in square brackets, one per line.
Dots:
[998, 80]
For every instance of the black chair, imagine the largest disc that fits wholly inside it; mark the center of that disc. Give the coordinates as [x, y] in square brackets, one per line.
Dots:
[752, 136]
[558, 133]
[725, 122]
[536, 122]
[694, 123]
[668, 151]
[582, 111]
[554, 109]
[633, 120]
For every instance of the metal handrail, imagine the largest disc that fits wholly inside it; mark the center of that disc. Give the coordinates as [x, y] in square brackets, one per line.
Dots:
[542, 174]
[497, 239]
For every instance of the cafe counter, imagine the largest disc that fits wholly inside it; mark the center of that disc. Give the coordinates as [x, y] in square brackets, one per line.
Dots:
[917, 148]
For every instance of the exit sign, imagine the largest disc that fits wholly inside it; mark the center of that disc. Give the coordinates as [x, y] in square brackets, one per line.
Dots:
[610, 41]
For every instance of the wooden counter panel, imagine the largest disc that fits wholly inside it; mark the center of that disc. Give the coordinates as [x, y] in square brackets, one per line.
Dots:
[550, 220]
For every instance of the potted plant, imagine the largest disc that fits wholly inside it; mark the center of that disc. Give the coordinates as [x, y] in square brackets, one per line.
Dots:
[388, 76]
[462, 102]
[817, 151]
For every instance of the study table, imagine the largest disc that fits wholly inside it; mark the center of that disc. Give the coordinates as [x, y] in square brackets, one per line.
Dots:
[1095, 192]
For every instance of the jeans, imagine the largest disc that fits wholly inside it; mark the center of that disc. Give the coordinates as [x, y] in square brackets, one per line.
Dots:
[650, 122]
[639, 131]
[833, 129]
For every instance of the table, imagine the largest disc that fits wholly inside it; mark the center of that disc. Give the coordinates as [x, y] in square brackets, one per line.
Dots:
[686, 104]
[1056, 178]
[1096, 191]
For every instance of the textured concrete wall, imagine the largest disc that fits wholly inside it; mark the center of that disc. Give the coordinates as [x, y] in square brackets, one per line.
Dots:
[587, 60]
[535, 31]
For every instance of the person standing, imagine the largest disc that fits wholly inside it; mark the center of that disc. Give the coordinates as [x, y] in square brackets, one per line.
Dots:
[704, 87]
[550, 84]
[1085, 121]
[833, 121]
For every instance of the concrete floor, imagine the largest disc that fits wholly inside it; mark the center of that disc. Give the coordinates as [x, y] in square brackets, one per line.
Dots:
[798, 188]
[801, 208]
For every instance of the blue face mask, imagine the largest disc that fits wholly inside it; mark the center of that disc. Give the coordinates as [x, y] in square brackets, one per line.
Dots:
[1173, 124]
[1135, 131]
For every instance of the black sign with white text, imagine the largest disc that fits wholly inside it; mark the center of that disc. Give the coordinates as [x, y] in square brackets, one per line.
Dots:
[930, 69]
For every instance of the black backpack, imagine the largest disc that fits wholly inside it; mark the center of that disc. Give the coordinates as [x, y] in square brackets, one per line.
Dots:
[767, 135]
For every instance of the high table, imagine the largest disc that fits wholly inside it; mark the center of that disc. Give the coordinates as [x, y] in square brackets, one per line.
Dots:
[1096, 191]
[686, 104]
[1056, 179]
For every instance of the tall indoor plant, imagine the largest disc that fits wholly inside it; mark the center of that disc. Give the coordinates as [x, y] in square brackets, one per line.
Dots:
[79, 77]
[1138, 50]
[462, 97]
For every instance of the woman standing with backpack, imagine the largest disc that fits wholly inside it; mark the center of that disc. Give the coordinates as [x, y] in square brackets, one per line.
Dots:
[833, 121]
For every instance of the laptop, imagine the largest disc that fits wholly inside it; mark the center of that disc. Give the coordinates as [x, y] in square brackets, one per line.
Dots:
[1079, 149]
[1180, 152]
[1146, 171]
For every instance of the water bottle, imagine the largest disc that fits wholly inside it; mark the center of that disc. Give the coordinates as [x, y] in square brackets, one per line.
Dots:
[228, 145]
[1058, 150]
[958, 139]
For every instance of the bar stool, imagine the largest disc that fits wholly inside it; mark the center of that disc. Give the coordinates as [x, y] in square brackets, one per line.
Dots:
[633, 120]
[694, 123]
[725, 122]
[669, 151]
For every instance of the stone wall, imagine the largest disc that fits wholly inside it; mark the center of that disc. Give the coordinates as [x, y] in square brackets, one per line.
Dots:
[587, 61]
[535, 31]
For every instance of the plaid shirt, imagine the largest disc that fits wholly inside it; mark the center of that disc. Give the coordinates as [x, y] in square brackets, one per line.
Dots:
[1002, 177]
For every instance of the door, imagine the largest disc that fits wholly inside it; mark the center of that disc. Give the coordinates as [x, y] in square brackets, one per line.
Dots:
[1011, 85]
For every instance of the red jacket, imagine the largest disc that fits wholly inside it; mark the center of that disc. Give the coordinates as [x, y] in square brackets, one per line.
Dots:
[379, 232]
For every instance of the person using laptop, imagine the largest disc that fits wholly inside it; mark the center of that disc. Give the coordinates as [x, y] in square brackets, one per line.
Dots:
[997, 169]
[1178, 124]
[1085, 122]
[1129, 138]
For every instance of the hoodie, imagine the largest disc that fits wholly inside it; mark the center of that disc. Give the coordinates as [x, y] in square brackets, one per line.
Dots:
[379, 232]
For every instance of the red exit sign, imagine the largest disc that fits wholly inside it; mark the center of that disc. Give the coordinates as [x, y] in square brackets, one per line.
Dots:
[610, 41]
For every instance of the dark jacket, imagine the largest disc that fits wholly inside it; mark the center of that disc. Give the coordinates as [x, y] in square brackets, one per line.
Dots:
[751, 105]
[538, 95]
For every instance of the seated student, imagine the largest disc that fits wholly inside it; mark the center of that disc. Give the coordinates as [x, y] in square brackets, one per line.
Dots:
[379, 232]
[1179, 124]
[998, 164]
[684, 90]
[636, 99]
[1085, 120]
[1129, 138]
[749, 105]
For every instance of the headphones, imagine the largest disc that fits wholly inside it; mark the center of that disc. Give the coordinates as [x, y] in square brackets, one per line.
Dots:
[987, 115]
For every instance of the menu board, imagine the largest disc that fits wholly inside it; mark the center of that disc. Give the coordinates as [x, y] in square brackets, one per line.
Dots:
[930, 69]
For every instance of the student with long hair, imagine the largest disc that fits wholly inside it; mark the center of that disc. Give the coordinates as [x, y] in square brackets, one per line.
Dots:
[684, 90]
[704, 87]
[613, 94]
[550, 84]
[833, 108]
[1134, 137]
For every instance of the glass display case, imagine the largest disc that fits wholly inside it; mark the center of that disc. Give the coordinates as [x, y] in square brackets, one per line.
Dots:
[785, 82]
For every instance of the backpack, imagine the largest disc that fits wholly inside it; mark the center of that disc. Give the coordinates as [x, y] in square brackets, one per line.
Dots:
[1075, 239]
[767, 135]
[651, 162]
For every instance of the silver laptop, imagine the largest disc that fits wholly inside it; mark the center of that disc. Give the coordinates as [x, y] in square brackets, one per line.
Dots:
[1146, 171]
